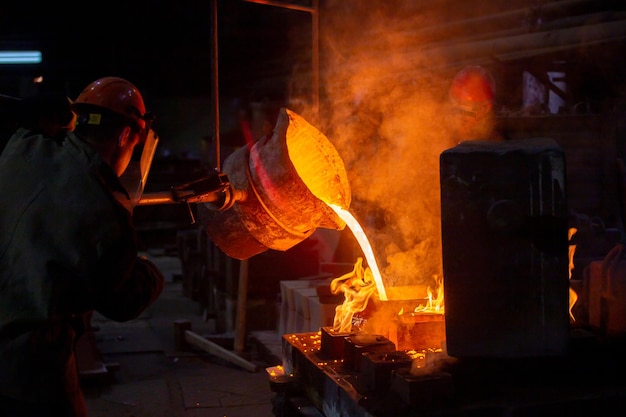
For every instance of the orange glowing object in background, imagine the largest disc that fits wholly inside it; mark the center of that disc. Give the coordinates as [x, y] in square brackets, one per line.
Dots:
[573, 297]
[435, 304]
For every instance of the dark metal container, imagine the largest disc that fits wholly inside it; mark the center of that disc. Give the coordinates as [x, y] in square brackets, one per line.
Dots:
[505, 249]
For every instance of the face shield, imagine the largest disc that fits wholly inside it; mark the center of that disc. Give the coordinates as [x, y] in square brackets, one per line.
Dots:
[136, 174]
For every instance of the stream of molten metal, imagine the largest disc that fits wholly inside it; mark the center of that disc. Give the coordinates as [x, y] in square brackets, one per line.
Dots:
[360, 236]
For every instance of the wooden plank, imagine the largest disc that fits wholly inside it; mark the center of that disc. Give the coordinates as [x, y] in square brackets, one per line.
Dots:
[215, 349]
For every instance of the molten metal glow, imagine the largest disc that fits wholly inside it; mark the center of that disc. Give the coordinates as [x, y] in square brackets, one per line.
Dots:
[360, 236]
[275, 370]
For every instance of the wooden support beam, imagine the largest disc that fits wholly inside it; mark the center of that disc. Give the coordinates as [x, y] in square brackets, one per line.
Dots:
[518, 46]
[242, 301]
[217, 350]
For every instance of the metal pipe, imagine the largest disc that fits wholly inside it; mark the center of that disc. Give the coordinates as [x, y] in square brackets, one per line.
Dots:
[161, 197]
[224, 198]
[315, 58]
[285, 5]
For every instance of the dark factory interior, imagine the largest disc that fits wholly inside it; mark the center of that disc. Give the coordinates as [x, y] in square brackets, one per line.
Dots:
[334, 242]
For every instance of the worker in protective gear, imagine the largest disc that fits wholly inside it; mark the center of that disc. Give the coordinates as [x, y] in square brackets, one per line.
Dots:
[67, 247]
[471, 98]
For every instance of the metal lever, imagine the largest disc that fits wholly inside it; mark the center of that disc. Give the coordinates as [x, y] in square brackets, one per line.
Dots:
[193, 219]
[215, 189]
[204, 190]
[212, 189]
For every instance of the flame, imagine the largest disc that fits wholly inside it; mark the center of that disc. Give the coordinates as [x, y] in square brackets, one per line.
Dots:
[357, 287]
[361, 283]
[435, 304]
[360, 236]
[573, 297]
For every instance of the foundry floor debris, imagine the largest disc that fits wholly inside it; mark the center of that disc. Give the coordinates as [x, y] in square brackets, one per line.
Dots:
[145, 376]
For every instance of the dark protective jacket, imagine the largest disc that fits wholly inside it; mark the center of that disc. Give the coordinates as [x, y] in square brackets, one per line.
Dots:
[67, 247]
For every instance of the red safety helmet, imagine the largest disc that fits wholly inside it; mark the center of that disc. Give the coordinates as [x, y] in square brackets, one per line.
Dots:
[473, 91]
[117, 95]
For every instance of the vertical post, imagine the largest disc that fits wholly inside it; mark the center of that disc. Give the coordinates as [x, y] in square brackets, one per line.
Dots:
[242, 299]
[315, 58]
[216, 94]
[230, 309]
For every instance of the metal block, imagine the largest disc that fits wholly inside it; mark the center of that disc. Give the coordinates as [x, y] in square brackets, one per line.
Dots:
[423, 389]
[505, 249]
[355, 346]
[377, 368]
[418, 331]
[332, 344]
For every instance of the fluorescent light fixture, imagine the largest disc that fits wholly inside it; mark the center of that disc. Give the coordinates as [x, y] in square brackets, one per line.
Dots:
[20, 57]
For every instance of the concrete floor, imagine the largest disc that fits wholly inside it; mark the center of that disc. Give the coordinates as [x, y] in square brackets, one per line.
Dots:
[147, 376]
